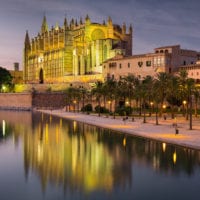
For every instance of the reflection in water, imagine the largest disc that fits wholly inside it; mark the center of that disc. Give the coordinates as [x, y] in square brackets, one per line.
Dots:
[79, 157]
[67, 155]
[3, 128]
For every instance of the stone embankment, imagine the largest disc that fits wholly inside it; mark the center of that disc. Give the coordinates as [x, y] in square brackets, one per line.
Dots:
[29, 101]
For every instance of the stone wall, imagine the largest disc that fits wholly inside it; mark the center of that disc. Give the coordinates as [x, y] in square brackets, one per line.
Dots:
[28, 101]
[18, 101]
[49, 100]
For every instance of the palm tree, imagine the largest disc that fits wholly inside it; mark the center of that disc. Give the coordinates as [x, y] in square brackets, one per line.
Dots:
[144, 90]
[111, 93]
[83, 95]
[187, 89]
[157, 97]
[130, 82]
[137, 94]
[98, 92]
[149, 82]
[173, 95]
[190, 91]
[72, 96]
[196, 97]
[162, 86]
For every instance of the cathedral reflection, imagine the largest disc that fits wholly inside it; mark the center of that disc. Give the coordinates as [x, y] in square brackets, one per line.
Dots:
[76, 156]
[67, 154]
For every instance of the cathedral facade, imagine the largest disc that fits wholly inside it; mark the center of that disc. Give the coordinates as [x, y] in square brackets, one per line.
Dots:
[73, 50]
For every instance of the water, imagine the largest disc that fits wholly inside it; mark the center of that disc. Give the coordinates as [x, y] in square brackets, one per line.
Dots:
[45, 157]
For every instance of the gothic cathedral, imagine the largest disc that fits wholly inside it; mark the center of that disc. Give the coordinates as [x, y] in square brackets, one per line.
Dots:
[75, 49]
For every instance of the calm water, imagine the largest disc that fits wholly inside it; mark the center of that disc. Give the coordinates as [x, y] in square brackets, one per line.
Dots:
[44, 157]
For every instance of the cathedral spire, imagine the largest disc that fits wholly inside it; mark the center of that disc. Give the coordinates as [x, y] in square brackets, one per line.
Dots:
[109, 21]
[87, 19]
[65, 23]
[124, 28]
[27, 41]
[44, 27]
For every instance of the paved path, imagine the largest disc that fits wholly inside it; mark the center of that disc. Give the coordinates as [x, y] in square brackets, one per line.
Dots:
[164, 132]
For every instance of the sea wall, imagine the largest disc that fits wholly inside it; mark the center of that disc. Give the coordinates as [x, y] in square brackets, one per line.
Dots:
[48, 100]
[29, 101]
[16, 101]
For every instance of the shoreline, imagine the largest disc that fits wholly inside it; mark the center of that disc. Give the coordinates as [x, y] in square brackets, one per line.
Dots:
[164, 132]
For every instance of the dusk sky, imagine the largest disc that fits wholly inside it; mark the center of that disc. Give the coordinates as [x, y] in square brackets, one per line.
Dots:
[155, 22]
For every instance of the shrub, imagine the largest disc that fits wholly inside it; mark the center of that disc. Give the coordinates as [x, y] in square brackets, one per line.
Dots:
[101, 109]
[124, 110]
[87, 108]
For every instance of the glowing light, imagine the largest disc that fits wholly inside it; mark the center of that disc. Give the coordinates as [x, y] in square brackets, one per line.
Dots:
[174, 157]
[47, 133]
[164, 147]
[151, 103]
[74, 125]
[3, 88]
[4, 127]
[39, 153]
[164, 106]
[127, 102]
[50, 119]
[124, 142]
[184, 102]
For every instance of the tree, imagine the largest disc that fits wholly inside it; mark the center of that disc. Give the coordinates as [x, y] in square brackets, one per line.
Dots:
[196, 98]
[112, 94]
[187, 90]
[98, 92]
[162, 88]
[5, 79]
[173, 94]
[73, 96]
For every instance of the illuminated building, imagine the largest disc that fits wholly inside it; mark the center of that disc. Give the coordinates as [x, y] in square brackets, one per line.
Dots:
[75, 49]
[193, 70]
[164, 59]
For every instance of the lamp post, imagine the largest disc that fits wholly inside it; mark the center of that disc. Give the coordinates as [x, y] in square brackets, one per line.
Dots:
[128, 111]
[109, 102]
[164, 108]
[151, 109]
[184, 107]
[127, 103]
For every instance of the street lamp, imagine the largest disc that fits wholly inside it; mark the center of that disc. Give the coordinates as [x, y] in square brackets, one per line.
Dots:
[109, 102]
[164, 108]
[151, 109]
[184, 107]
[3, 88]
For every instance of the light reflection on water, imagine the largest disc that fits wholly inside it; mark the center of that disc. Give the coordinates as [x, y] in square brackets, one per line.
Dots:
[45, 157]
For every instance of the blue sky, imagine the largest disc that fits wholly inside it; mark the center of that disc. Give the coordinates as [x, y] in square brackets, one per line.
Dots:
[155, 22]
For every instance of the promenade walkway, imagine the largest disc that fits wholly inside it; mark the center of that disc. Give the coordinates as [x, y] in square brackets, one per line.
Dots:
[164, 132]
